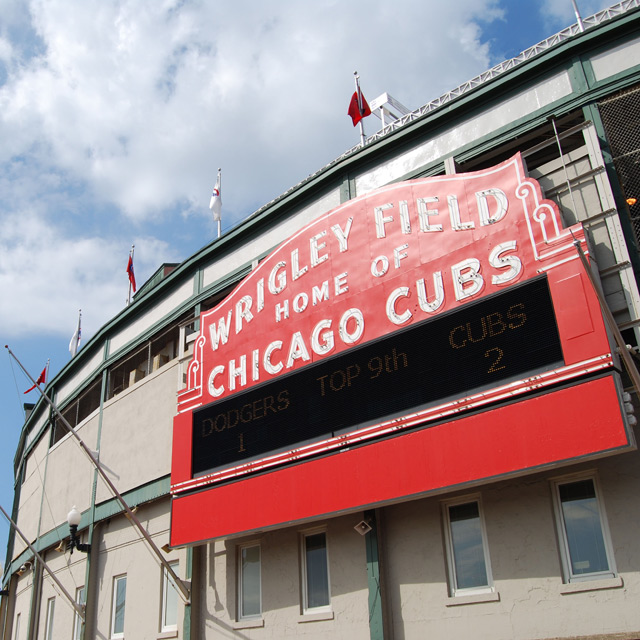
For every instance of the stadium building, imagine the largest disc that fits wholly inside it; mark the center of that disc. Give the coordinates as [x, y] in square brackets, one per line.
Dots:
[395, 402]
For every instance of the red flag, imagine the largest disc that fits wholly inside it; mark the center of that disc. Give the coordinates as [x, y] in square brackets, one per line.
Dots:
[41, 380]
[358, 107]
[132, 277]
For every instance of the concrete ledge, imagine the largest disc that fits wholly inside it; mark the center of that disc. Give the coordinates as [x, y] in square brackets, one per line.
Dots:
[591, 585]
[476, 598]
[252, 623]
[314, 617]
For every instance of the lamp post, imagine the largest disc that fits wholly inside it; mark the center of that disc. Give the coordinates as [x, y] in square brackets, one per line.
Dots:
[73, 518]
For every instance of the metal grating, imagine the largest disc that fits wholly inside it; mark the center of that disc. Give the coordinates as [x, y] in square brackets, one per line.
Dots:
[621, 118]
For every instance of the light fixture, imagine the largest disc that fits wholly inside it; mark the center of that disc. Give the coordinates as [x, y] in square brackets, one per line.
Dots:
[631, 201]
[26, 566]
[363, 527]
[73, 518]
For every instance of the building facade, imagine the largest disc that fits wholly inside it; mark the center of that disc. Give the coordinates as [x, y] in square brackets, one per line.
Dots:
[296, 416]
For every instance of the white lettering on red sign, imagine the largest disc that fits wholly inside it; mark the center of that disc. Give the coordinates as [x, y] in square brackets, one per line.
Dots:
[399, 255]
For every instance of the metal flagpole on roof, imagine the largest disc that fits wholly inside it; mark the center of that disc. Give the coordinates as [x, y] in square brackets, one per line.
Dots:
[130, 271]
[359, 94]
[184, 591]
[215, 204]
[578, 18]
[220, 200]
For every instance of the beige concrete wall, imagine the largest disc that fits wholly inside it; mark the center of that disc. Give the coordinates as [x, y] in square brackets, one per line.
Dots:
[281, 587]
[69, 478]
[22, 604]
[533, 601]
[70, 571]
[122, 551]
[273, 236]
[31, 495]
[137, 428]
[145, 321]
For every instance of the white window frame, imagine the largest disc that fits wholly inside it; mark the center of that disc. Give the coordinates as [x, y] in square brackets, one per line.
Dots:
[114, 601]
[454, 590]
[240, 581]
[48, 629]
[16, 633]
[304, 535]
[77, 620]
[564, 544]
[169, 590]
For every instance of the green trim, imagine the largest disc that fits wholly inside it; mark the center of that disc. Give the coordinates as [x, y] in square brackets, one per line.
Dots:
[91, 515]
[188, 611]
[186, 623]
[376, 619]
[140, 495]
[578, 77]
[189, 568]
[347, 187]
[197, 282]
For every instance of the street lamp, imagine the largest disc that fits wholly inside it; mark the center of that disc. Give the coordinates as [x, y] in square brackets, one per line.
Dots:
[73, 518]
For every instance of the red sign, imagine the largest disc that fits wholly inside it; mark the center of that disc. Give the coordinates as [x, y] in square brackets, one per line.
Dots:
[387, 261]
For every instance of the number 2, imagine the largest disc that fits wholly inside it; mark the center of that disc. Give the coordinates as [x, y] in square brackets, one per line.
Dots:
[497, 357]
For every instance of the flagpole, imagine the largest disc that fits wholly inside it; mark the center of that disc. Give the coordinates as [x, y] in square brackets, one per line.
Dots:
[356, 79]
[186, 595]
[578, 16]
[133, 247]
[75, 339]
[79, 609]
[220, 190]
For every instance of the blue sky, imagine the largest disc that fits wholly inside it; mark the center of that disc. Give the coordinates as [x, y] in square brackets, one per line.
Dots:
[116, 114]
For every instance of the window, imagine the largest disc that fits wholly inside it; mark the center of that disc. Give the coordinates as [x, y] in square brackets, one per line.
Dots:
[77, 410]
[315, 572]
[249, 590]
[117, 607]
[77, 620]
[16, 633]
[467, 549]
[582, 530]
[48, 629]
[149, 357]
[169, 615]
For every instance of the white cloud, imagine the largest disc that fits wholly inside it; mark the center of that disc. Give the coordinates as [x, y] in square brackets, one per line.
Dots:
[130, 95]
[114, 117]
[61, 274]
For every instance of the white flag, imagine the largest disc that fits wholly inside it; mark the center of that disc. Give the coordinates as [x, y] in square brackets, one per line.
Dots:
[215, 204]
[75, 339]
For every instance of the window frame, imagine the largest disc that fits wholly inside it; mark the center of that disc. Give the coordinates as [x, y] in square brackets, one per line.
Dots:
[114, 601]
[304, 572]
[16, 630]
[167, 583]
[563, 540]
[454, 589]
[241, 616]
[51, 610]
[77, 620]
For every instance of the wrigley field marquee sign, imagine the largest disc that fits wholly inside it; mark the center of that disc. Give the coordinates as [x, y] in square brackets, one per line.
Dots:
[395, 312]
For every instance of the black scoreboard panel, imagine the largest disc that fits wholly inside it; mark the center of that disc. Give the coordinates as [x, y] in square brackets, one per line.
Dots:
[503, 337]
